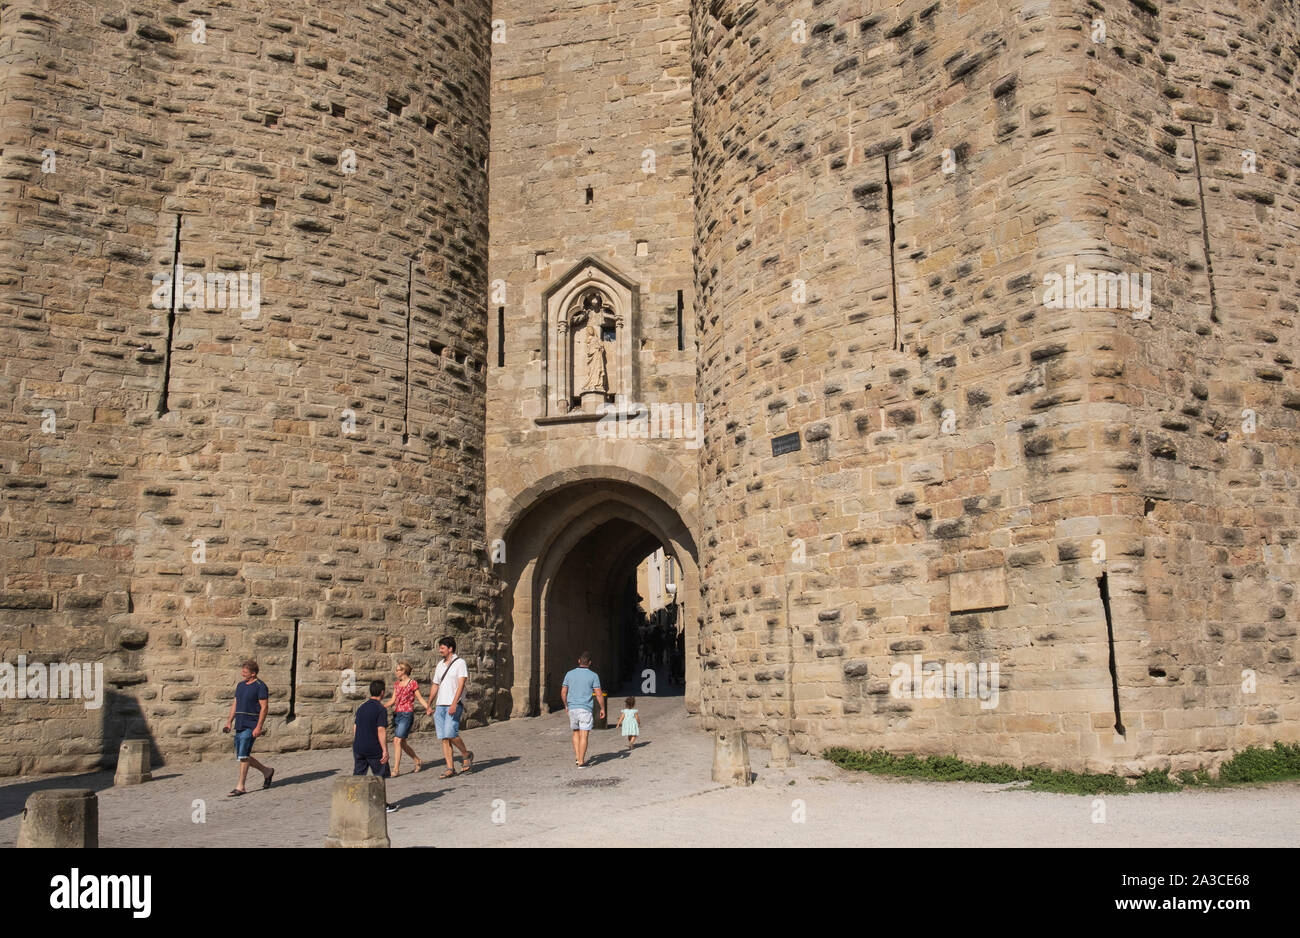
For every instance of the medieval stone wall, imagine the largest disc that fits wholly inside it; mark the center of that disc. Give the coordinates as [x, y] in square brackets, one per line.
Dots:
[586, 98]
[304, 484]
[883, 193]
[591, 113]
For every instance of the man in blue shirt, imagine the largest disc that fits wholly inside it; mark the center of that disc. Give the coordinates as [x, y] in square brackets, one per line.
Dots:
[581, 687]
[248, 714]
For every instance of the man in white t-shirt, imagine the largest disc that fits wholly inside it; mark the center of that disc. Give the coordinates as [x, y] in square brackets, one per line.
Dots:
[448, 690]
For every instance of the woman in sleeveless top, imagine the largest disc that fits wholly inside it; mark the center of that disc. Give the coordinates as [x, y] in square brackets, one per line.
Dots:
[405, 693]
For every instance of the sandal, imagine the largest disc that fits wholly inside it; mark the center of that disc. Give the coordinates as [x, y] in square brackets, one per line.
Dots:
[448, 774]
[270, 777]
[466, 762]
[235, 793]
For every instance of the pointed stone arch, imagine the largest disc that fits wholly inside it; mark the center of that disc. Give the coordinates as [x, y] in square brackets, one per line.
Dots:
[609, 514]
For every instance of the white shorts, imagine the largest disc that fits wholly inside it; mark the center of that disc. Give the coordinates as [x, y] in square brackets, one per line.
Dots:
[581, 720]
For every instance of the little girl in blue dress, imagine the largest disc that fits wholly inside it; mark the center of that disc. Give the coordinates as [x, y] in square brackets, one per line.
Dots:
[627, 722]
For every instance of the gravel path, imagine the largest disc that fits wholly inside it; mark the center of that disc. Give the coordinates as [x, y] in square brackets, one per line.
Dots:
[525, 791]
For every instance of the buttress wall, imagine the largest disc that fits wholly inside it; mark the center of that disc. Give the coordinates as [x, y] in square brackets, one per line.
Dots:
[1197, 158]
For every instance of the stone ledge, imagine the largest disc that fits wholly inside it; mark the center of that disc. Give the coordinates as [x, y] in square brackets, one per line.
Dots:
[567, 418]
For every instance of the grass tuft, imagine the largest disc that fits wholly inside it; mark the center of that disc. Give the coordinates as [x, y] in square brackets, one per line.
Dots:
[1250, 766]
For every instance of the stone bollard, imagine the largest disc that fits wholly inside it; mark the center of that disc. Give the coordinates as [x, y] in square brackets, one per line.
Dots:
[357, 816]
[730, 758]
[132, 763]
[779, 758]
[60, 817]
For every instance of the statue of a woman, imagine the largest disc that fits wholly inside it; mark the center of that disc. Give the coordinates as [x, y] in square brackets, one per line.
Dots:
[597, 377]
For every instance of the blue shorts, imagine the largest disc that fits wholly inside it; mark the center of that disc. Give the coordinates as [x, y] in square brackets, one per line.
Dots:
[243, 744]
[402, 723]
[448, 724]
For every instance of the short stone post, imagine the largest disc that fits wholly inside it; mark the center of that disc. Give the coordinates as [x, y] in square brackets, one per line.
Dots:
[357, 816]
[60, 817]
[132, 763]
[779, 758]
[730, 758]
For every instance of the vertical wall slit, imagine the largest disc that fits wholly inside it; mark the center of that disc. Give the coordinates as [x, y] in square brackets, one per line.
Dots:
[171, 321]
[681, 336]
[1205, 227]
[293, 676]
[406, 405]
[501, 336]
[893, 272]
[1103, 585]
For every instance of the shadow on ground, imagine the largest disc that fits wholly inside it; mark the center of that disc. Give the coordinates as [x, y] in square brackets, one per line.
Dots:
[424, 797]
[14, 797]
[288, 780]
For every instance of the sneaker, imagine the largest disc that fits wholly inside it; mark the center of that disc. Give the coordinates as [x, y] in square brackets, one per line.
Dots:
[390, 808]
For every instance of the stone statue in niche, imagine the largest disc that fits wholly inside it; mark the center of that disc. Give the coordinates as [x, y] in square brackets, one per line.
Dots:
[591, 318]
[597, 371]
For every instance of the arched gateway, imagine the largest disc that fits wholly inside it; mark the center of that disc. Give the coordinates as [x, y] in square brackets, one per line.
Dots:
[572, 545]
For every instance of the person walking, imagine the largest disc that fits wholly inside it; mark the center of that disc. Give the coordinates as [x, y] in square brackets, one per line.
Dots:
[628, 723]
[581, 687]
[370, 737]
[405, 693]
[448, 688]
[248, 715]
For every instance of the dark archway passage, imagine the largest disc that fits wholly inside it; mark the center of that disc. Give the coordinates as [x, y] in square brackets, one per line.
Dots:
[570, 575]
[591, 604]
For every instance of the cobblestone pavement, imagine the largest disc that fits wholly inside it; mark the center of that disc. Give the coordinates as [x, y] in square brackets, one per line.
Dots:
[659, 795]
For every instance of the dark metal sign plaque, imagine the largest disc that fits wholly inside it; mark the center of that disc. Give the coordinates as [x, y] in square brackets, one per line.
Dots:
[786, 443]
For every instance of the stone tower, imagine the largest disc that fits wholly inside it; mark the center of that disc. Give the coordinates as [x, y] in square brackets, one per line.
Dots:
[923, 234]
[283, 457]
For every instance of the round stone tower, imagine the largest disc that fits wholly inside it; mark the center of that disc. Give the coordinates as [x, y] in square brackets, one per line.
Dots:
[244, 283]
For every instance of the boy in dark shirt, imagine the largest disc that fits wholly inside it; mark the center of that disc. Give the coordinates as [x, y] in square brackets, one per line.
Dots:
[370, 742]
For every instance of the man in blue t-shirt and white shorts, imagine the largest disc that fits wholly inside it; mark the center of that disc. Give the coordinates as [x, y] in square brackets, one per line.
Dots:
[581, 688]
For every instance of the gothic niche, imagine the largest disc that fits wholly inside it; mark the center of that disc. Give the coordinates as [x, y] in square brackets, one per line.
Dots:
[589, 355]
